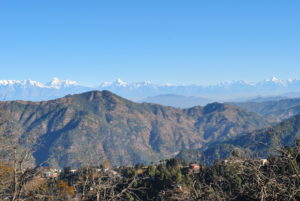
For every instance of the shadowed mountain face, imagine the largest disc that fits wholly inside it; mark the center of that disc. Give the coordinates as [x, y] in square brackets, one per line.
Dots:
[260, 143]
[95, 126]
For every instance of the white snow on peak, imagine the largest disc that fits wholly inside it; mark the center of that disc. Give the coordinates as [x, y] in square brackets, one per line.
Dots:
[57, 83]
[275, 80]
[34, 83]
[32, 90]
[227, 84]
[290, 80]
[9, 82]
[22, 83]
[120, 82]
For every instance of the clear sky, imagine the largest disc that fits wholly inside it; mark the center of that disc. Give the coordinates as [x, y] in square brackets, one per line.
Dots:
[164, 41]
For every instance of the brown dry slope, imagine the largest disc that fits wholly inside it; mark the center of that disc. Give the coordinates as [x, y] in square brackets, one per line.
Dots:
[94, 126]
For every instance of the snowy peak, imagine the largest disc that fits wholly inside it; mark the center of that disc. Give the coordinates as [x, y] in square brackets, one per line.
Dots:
[30, 83]
[36, 91]
[120, 82]
[23, 83]
[57, 83]
[9, 82]
[117, 83]
[275, 80]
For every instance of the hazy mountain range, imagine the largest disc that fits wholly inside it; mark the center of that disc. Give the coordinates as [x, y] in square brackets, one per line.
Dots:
[178, 100]
[275, 110]
[33, 90]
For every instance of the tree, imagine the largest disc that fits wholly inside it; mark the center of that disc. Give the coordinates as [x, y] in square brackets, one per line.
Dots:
[18, 151]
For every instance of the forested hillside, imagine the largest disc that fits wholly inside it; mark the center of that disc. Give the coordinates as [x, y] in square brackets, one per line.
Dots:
[82, 129]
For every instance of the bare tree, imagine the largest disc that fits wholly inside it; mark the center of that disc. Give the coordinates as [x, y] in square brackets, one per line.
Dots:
[16, 151]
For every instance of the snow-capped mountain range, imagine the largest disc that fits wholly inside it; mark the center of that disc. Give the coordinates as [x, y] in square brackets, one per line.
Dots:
[55, 83]
[36, 91]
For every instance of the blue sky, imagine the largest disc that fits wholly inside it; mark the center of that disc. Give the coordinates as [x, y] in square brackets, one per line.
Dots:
[164, 41]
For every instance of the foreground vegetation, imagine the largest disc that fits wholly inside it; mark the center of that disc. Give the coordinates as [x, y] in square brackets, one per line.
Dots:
[277, 178]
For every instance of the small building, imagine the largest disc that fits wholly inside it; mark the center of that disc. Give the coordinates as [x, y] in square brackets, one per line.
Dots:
[114, 173]
[194, 168]
[50, 174]
[73, 170]
[264, 161]
[233, 161]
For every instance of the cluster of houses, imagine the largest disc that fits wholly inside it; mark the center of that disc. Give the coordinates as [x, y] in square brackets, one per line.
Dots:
[54, 173]
[260, 162]
[51, 173]
[195, 168]
[192, 168]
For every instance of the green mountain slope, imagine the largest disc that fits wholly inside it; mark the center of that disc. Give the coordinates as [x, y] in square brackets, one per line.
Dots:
[95, 126]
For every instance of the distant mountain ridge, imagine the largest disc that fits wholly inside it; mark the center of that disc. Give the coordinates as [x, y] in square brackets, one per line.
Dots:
[36, 91]
[277, 110]
[174, 100]
[98, 125]
[55, 83]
